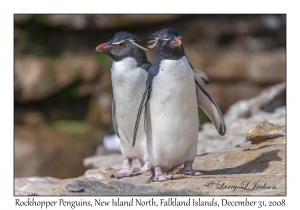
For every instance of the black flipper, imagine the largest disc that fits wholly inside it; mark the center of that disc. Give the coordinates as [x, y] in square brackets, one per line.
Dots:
[211, 109]
[142, 105]
[114, 119]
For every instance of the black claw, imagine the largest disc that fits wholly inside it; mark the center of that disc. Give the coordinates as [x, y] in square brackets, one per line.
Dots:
[114, 176]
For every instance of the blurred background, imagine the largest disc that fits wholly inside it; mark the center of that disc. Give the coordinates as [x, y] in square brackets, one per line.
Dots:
[63, 91]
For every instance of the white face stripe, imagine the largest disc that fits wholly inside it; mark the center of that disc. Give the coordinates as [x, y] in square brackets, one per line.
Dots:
[131, 40]
[154, 41]
[137, 44]
[119, 41]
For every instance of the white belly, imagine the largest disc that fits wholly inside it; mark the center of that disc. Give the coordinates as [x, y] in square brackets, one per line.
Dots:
[129, 84]
[172, 116]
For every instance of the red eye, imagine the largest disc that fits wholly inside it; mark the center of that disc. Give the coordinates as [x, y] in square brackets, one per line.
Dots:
[122, 45]
[164, 43]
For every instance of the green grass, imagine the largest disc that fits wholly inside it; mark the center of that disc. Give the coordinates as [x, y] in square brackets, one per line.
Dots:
[76, 127]
[41, 18]
[102, 59]
[203, 117]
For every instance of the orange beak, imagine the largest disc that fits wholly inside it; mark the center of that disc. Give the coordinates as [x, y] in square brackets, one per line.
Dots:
[103, 47]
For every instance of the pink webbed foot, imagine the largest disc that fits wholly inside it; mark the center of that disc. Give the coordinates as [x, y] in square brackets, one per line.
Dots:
[158, 175]
[126, 170]
[122, 173]
[143, 169]
[163, 177]
[188, 170]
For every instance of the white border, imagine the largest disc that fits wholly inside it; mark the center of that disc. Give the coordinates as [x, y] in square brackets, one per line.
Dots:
[8, 8]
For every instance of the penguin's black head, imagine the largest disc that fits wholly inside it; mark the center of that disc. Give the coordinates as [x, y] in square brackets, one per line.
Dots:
[167, 43]
[122, 45]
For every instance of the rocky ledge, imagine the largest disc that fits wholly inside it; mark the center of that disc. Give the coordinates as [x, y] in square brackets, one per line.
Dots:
[249, 160]
[256, 169]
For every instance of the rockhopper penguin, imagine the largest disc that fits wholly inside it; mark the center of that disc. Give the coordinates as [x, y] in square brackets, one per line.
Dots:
[128, 74]
[169, 104]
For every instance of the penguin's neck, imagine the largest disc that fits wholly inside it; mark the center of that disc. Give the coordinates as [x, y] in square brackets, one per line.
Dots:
[135, 53]
[125, 64]
[140, 57]
[161, 54]
[128, 81]
[126, 72]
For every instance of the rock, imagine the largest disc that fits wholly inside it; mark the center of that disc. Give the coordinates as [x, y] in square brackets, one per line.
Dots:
[257, 169]
[264, 131]
[227, 94]
[104, 102]
[113, 160]
[226, 47]
[106, 21]
[99, 110]
[238, 75]
[239, 119]
[76, 186]
[22, 193]
[101, 150]
[262, 163]
[247, 108]
[46, 151]
[96, 187]
[267, 68]
[33, 118]
[38, 78]
[263, 68]
[26, 157]
[35, 185]
[99, 173]
[28, 82]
